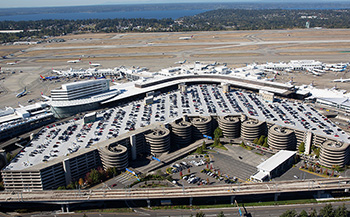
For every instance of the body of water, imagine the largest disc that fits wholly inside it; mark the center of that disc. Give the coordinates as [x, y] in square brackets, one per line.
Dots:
[174, 14]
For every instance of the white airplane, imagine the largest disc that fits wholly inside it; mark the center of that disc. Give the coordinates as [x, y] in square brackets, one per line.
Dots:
[214, 64]
[74, 61]
[342, 80]
[13, 63]
[271, 70]
[186, 38]
[94, 64]
[315, 73]
[181, 62]
[57, 72]
[269, 79]
[337, 70]
[45, 97]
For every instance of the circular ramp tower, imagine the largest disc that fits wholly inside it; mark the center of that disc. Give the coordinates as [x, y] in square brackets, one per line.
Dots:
[114, 156]
[252, 129]
[230, 126]
[201, 126]
[158, 140]
[181, 133]
[334, 153]
[280, 138]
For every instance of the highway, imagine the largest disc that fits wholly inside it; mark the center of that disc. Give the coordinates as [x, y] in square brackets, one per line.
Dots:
[168, 193]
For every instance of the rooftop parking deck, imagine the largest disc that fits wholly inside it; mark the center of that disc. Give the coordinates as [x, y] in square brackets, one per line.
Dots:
[72, 136]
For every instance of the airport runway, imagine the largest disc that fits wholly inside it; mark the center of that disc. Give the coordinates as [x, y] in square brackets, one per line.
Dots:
[160, 50]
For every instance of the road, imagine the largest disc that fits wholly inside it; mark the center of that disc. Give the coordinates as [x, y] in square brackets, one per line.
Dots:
[254, 211]
[168, 193]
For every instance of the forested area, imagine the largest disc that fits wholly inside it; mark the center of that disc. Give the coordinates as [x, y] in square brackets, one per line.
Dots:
[221, 19]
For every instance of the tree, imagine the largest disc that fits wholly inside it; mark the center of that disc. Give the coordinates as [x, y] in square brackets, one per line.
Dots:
[317, 152]
[265, 143]
[313, 213]
[255, 141]
[261, 140]
[301, 147]
[327, 211]
[303, 213]
[204, 146]
[218, 133]
[9, 157]
[61, 188]
[81, 181]
[221, 214]
[70, 186]
[93, 177]
[289, 213]
[341, 211]
[199, 150]
[200, 214]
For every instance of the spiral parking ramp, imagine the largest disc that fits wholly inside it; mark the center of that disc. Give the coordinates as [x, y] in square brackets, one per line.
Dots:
[201, 126]
[114, 156]
[334, 153]
[158, 140]
[280, 138]
[230, 126]
[181, 133]
[252, 129]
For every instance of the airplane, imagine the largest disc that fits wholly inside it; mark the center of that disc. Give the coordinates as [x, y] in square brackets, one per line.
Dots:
[181, 62]
[74, 61]
[49, 77]
[45, 97]
[315, 73]
[24, 92]
[269, 79]
[102, 77]
[13, 63]
[342, 80]
[337, 70]
[94, 64]
[214, 64]
[271, 70]
[186, 38]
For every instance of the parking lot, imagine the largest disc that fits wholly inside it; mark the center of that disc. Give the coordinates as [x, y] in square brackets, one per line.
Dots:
[225, 166]
[203, 99]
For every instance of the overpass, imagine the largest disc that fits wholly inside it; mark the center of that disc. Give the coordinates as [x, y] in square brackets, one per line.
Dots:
[80, 196]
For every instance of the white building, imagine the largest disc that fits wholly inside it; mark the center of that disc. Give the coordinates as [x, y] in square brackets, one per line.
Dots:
[80, 89]
[274, 166]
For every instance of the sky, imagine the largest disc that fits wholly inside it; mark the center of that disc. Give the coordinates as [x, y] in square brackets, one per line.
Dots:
[49, 3]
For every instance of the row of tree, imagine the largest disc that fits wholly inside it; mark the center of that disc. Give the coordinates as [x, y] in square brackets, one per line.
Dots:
[95, 176]
[326, 211]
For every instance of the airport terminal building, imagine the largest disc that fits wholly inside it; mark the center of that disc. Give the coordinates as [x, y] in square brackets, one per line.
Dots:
[81, 96]
[176, 118]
